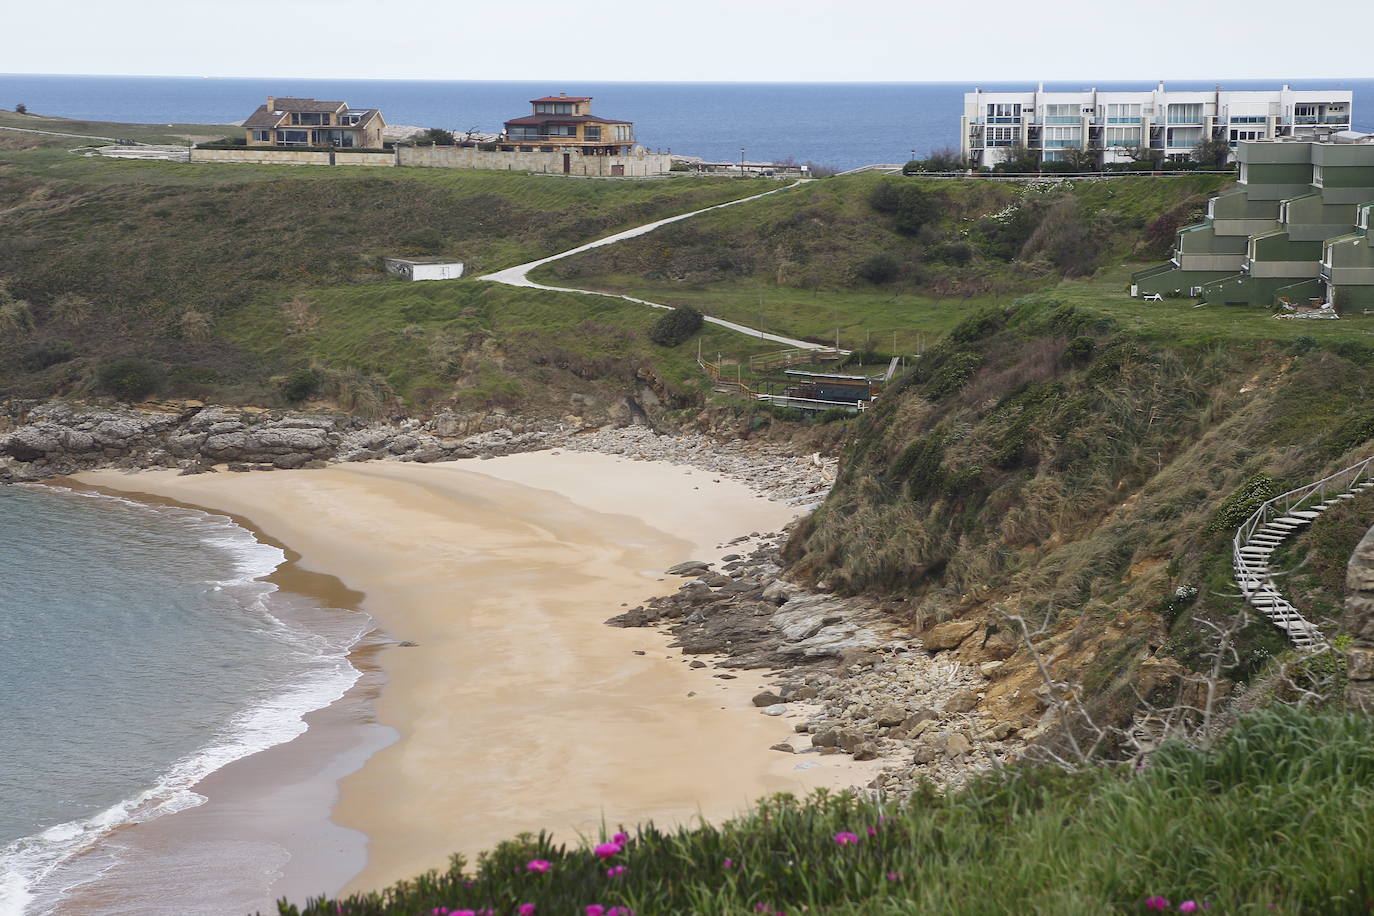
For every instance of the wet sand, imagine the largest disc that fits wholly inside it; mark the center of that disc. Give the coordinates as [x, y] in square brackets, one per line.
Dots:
[518, 709]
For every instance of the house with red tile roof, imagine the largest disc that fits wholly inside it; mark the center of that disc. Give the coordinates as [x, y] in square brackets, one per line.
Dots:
[564, 123]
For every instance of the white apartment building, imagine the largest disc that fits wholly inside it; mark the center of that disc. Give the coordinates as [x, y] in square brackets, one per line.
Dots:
[1113, 122]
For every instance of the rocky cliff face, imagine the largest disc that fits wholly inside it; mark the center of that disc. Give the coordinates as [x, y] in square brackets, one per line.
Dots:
[1359, 623]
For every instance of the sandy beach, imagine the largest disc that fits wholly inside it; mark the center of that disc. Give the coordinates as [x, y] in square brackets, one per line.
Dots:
[517, 708]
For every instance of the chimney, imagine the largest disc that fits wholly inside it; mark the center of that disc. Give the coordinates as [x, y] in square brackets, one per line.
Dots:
[562, 95]
[271, 103]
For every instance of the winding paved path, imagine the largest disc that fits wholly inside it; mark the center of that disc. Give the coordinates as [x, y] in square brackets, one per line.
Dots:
[519, 275]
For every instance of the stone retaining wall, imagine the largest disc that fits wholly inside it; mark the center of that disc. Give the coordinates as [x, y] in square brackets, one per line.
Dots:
[292, 157]
[639, 164]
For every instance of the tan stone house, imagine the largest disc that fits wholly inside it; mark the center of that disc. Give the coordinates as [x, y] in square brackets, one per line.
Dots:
[564, 123]
[288, 122]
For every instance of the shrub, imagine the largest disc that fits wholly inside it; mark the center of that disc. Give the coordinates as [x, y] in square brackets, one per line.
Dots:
[21, 108]
[130, 379]
[300, 385]
[50, 354]
[1240, 505]
[1079, 352]
[676, 326]
[880, 269]
[436, 136]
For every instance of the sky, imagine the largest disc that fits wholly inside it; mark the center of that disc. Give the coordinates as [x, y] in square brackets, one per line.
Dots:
[692, 40]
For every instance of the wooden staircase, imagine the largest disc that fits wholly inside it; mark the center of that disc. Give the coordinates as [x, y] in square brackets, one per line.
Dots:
[1272, 524]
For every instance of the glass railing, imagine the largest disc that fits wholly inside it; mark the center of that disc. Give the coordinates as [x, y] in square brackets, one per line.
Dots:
[1123, 120]
[1062, 144]
[1062, 119]
[1003, 120]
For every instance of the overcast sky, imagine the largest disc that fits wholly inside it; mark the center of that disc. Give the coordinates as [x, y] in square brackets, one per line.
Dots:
[786, 40]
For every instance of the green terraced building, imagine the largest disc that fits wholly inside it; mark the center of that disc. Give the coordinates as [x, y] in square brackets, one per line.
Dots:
[1296, 227]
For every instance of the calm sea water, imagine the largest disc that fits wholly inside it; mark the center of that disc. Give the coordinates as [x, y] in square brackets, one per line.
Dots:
[838, 124]
[139, 652]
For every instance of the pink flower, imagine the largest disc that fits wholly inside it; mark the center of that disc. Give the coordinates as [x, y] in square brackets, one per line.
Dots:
[526, 909]
[595, 909]
[621, 838]
[1157, 903]
[847, 839]
[872, 831]
[728, 863]
[606, 850]
[1187, 906]
[538, 865]
[894, 876]
[615, 871]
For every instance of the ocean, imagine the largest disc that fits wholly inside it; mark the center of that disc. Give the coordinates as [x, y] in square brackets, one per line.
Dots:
[140, 651]
[843, 125]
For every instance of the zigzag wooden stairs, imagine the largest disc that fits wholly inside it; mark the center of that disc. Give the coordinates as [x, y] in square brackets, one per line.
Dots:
[1273, 523]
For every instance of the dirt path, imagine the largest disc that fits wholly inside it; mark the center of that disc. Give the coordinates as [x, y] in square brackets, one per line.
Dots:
[519, 275]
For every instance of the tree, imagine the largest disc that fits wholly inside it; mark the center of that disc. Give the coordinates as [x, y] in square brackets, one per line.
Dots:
[676, 326]
[1018, 158]
[1145, 155]
[21, 108]
[1084, 159]
[1212, 153]
[436, 136]
[945, 159]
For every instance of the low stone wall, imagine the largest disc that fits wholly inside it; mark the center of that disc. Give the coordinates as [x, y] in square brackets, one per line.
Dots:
[636, 165]
[292, 157]
[1359, 623]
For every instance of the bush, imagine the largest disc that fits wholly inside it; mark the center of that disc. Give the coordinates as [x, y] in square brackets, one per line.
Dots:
[300, 385]
[1079, 352]
[130, 379]
[436, 136]
[21, 108]
[1240, 505]
[44, 355]
[676, 326]
[880, 269]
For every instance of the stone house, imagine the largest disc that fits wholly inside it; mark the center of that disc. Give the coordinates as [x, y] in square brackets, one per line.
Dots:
[291, 122]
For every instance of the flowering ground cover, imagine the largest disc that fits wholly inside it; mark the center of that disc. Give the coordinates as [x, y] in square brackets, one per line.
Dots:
[1277, 817]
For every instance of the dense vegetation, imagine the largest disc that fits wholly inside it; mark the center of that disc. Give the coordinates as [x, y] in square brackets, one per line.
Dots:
[1275, 818]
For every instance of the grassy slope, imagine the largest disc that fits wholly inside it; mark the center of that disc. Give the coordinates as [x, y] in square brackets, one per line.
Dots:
[175, 134]
[1275, 819]
[793, 263]
[146, 243]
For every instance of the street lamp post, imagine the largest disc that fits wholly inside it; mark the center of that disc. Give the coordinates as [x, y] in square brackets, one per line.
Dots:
[741, 162]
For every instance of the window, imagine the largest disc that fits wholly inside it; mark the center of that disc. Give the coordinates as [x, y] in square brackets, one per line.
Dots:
[591, 132]
[1245, 134]
[1185, 137]
[1249, 119]
[309, 117]
[1190, 113]
[1002, 136]
[262, 136]
[553, 108]
[1059, 137]
[1004, 112]
[624, 132]
[1061, 114]
[293, 137]
[1120, 113]
[1121, 136]
[1305, 111]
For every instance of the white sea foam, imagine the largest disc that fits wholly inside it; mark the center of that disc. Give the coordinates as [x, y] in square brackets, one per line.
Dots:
[31, 881]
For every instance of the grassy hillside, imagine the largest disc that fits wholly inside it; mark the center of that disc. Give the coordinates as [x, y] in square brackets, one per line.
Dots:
[1273, 820]
[186, 265]
[175, 134]
[1046, 463]
[876, 255]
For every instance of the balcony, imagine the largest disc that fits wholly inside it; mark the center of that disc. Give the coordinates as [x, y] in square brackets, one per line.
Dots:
[1060, 119]
[1323, 119]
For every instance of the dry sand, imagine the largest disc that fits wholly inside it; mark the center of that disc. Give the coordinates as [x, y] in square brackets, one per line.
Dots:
[519, 709]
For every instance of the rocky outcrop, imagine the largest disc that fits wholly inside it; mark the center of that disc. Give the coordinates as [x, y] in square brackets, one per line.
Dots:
[856, 682]
[1359, 623]
[46, 440]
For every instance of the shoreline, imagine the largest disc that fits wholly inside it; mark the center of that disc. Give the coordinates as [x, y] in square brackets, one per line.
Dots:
[396, 852]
